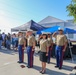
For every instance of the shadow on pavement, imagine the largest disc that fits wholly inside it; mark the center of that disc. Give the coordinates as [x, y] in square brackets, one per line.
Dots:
[11, 52]
[49, 72]
[65, 67]
[69, 68]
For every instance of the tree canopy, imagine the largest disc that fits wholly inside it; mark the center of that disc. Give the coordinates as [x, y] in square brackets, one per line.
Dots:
[71, 8]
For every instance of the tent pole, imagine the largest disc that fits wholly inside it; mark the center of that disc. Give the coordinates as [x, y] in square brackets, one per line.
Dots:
[70, 51]
[71, 54]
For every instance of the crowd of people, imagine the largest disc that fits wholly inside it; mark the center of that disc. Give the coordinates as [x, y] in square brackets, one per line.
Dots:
[9, 41]
[20, 41]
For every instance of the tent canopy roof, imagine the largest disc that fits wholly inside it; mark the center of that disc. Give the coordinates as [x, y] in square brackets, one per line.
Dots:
[55, 28]
[50, 19]
[29, 25]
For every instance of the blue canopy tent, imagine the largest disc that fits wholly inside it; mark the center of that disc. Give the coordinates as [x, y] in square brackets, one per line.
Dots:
[38, 32]
[69, 31]
[51, 29]
[55, 28]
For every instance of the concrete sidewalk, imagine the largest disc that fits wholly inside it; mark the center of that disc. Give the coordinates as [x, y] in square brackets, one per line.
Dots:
[9, 65]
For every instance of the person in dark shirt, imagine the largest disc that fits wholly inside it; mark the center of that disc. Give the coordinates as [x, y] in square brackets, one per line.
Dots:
[0, 40]
[8, 41]
[4, 39]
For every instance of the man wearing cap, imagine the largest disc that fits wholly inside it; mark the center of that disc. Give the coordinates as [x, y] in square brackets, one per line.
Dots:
[61, 44]
[30, 47]
[21, 47]
[50, 43]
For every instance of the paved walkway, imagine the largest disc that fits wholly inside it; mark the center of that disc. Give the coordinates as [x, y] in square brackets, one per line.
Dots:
[9, 65]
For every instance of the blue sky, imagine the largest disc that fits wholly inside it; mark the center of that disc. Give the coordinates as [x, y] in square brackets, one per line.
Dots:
[17, 12]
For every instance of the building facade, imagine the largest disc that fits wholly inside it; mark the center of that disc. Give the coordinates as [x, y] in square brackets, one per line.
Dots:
[52, 21]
